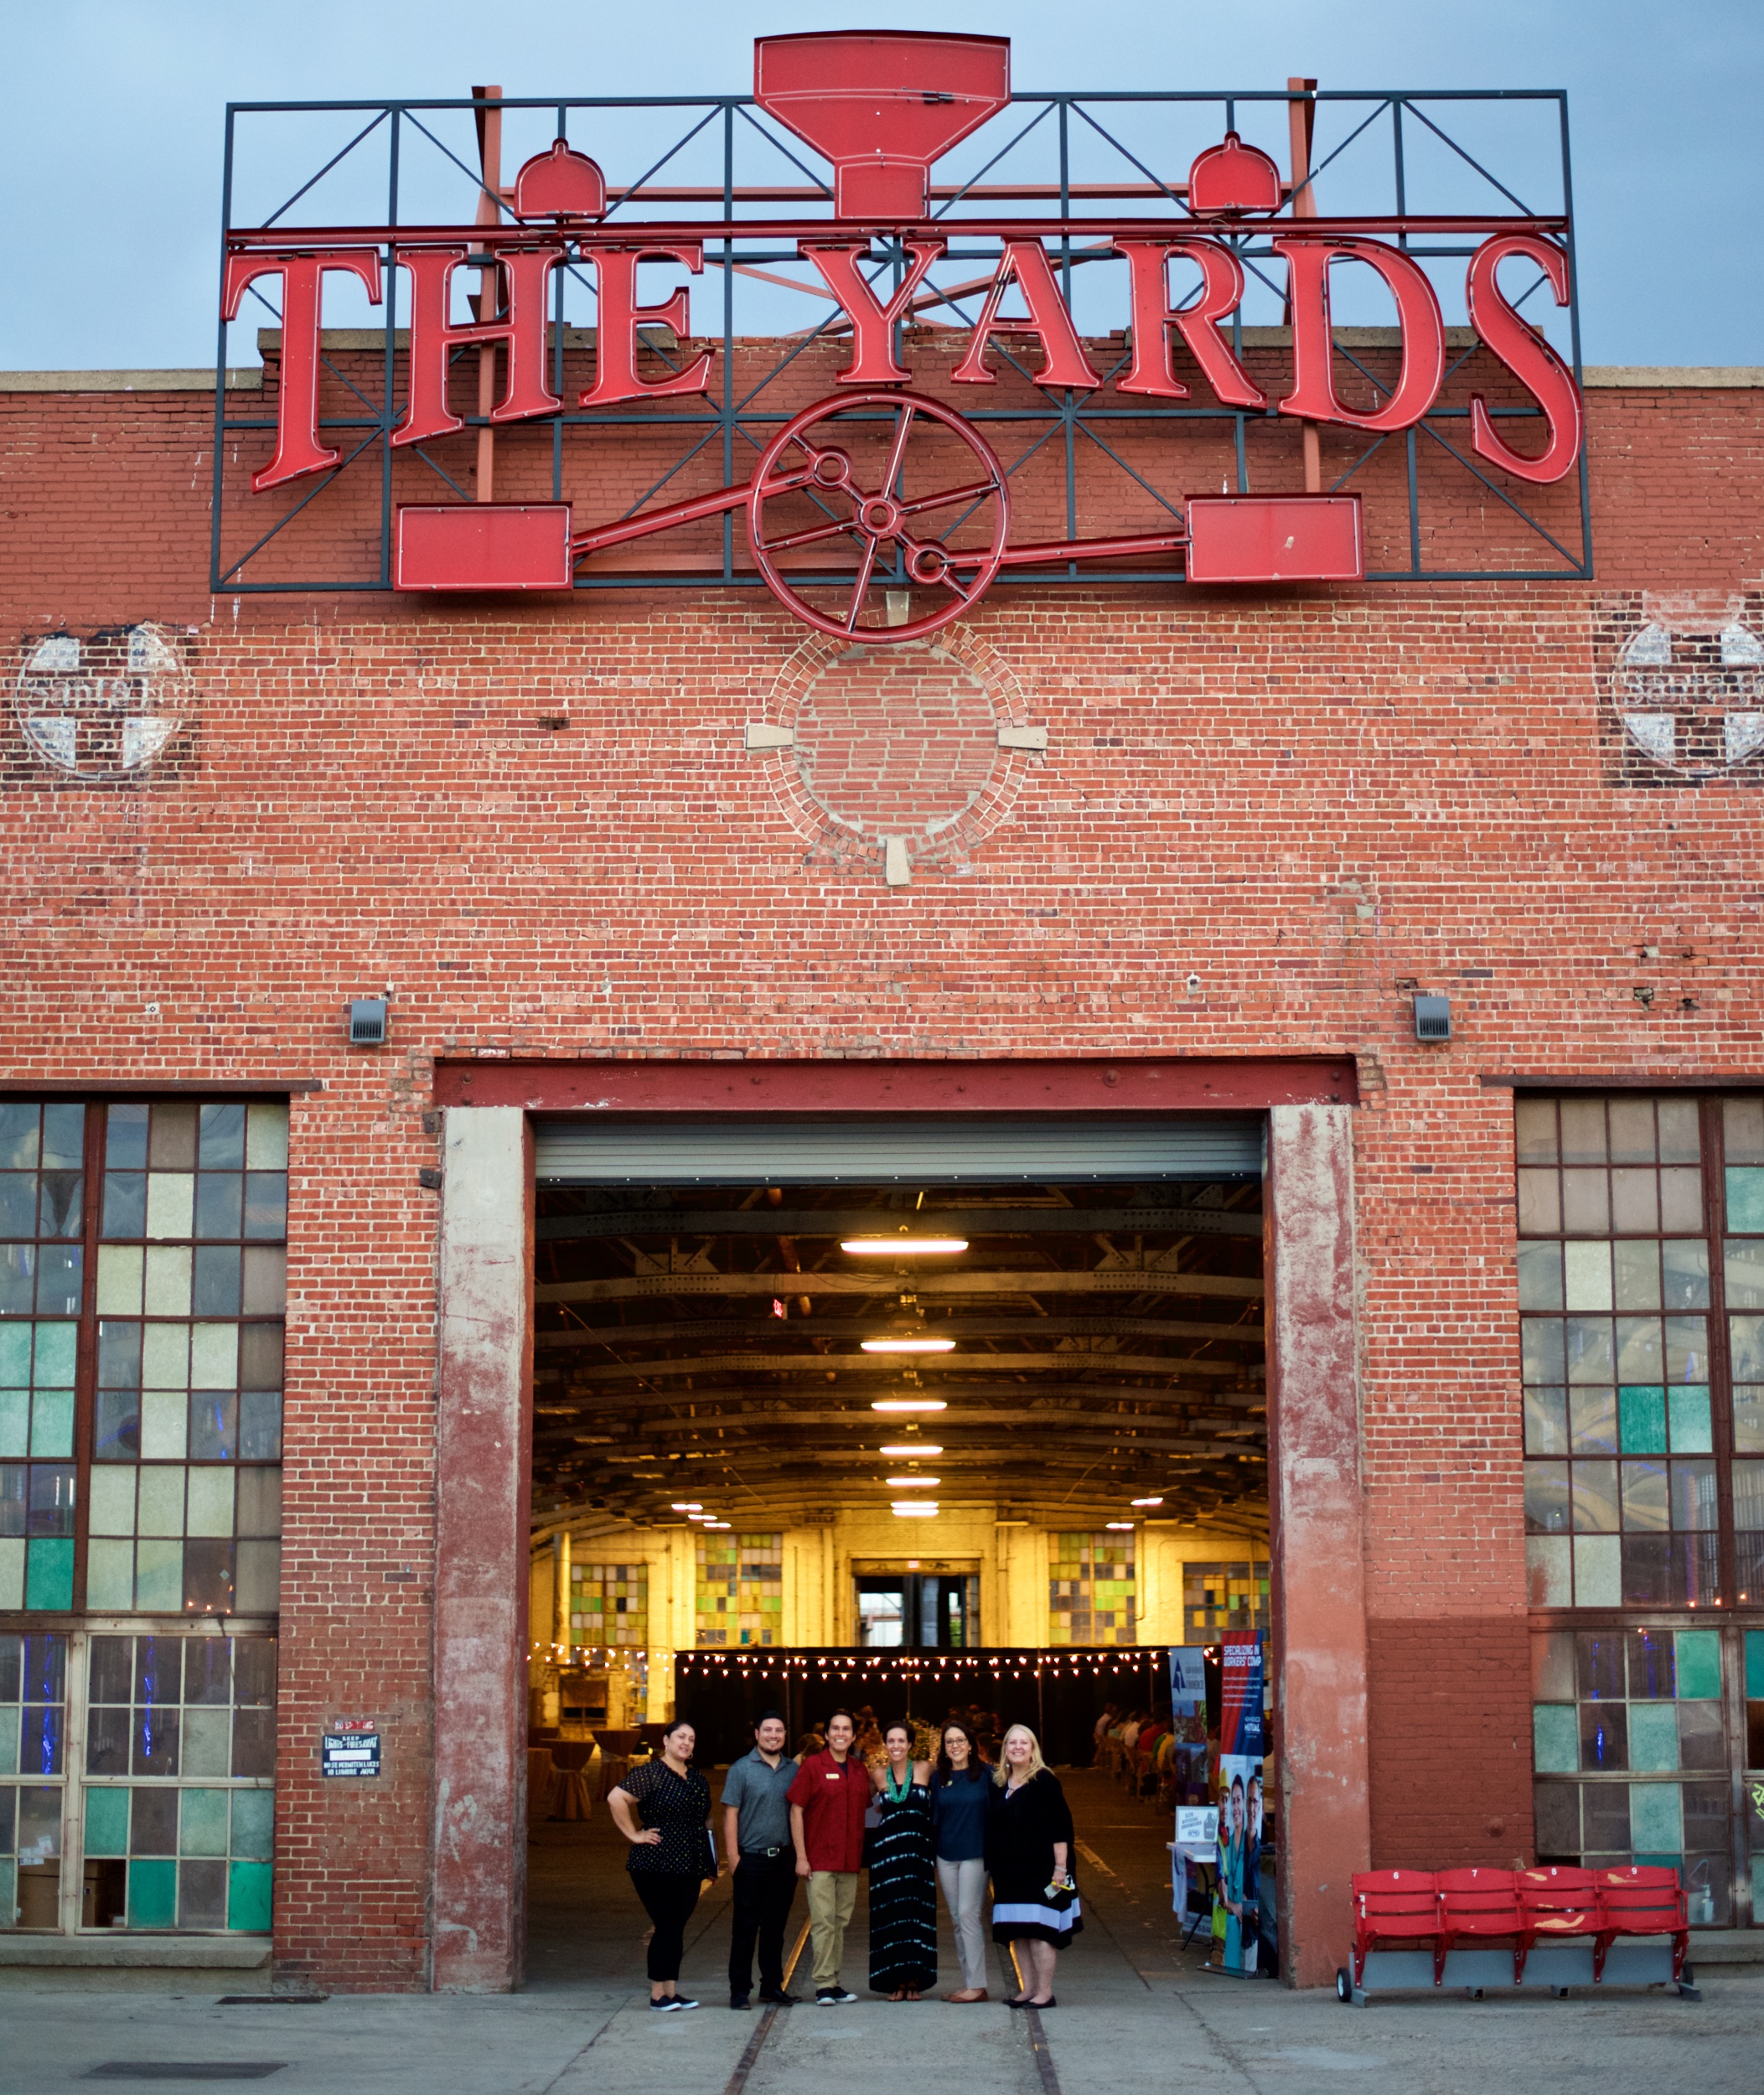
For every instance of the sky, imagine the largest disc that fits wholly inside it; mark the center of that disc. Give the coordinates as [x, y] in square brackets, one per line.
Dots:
[112, 149]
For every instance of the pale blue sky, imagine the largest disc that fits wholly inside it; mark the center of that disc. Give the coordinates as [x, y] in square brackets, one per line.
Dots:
[113, 140]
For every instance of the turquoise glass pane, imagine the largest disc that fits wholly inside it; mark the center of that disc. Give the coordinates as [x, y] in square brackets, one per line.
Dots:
[1745, 1199]
[1656, 1818]
[1754, 1672]
[1698, 1654]
[153, 1893]
[15, 1421]
[52, 1368]
[1653, 1738]
[248, 1896]
[1641, 1418]
[52, 1423]
[254, 1824]
[1555, 1738]
[49, 1573]
[202, 1822]
[15, 1355]
[107, 1822]
[1693, 1433]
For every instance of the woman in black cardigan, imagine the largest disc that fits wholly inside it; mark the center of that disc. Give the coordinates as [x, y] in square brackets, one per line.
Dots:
[1028, 1847]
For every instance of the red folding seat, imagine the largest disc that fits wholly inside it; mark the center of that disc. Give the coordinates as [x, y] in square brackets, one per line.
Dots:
[1558, 1903]
[1642, 1899]
[1481, 1905]
[1393, 1908]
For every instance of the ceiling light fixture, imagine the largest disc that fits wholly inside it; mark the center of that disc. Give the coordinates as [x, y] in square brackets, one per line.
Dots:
[719, 1524]
[909, 1404]
[915, 1509]
[910, 1447]
[1148, 1502]
[917, 1483]
[902, 1246]
[686, 1506]
[1118, 1523]
[908, 1345]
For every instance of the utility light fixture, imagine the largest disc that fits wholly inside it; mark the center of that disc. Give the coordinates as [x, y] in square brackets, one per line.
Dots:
[1148, 1502]
[909, 1404]
[908, 1345]
[905, 1245]
[687, 1506]
[915, 1509]
[1127, 1524]
[914, 1483]
[719, 1524]
[910, 1448]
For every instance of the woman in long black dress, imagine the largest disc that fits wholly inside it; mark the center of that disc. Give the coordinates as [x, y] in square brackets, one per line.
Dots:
[902, 1875]
[669, 1860]
[1028, 1849]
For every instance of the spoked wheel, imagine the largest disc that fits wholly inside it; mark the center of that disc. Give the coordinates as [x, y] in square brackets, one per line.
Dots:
[871, 492]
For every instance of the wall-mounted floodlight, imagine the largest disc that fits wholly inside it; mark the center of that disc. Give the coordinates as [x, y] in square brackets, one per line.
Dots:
[1433, 1020]
[367, 1022]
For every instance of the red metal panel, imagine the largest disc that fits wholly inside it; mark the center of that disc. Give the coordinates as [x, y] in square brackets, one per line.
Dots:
[483, 546]
[1245, 1084]
[881, 108]
[1276, 538]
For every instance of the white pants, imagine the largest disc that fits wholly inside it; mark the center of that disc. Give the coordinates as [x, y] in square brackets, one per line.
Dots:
[964, 1888]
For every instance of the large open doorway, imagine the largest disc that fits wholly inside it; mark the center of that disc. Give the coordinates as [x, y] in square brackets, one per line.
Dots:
[975, 1391]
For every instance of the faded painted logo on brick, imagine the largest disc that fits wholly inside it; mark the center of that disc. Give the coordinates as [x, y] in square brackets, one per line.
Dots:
[103, 707]
[1687, 693]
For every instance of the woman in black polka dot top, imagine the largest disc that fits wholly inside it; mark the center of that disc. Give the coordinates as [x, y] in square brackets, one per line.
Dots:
[661, 1807]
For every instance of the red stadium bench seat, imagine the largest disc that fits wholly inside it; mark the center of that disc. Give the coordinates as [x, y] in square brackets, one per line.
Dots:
[1642, 1900]
[1392, 1907]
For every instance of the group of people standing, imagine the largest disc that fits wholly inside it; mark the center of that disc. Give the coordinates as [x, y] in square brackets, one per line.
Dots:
[914, 1824]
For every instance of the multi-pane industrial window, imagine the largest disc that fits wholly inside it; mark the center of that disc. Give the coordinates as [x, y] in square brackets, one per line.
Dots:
[740, 1589]
[609, 1604]
[1091, 1590]
[1218, 1597]
[1640, 1283]
[142, 1294]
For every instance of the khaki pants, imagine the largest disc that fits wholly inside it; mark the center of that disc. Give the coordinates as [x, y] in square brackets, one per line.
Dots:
[832, 1895]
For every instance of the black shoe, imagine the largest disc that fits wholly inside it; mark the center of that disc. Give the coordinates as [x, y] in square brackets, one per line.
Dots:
[777, 1997]
[681, 2001]
[833, 1997]
[739, 2000]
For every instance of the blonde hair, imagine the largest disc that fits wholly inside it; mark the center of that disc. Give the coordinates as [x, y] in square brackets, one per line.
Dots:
[1001, 1773]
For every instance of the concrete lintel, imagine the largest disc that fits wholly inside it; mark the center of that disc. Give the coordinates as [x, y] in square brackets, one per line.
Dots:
[243, 380]
[1316, 1533]
[1011, 738]
[765, 734]
[482, 1491]
[121, 1951]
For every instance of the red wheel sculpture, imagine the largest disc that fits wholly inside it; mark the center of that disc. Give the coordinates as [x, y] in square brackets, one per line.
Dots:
[802, 469]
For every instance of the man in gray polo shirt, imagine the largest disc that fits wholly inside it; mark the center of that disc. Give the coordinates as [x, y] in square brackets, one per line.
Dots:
[755, 1819]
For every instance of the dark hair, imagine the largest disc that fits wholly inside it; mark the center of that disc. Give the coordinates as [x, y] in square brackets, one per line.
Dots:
[899, 1724]
[827, 1724]
[769, 1716]
[945, 1770]
[681, 1723]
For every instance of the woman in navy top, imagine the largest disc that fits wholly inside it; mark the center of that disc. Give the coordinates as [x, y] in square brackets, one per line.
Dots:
[959, 1792]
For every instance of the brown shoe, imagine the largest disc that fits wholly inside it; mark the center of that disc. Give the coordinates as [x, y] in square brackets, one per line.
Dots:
[965, 1994]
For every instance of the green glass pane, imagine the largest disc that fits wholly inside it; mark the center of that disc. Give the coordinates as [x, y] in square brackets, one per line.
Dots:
[254, 1824]
[159, 1577]
[248, 1896]
[1692, 1431]
[1555, 1738]
[153, 1893]
[1745, 1199]
[11, 1574]
[52, 1423]
[1656, 1817]
[205, 1747]
[202, 1822]
[110, 1576]
[53, 1368]
[1754, 1670]
[1653, 1738]
[1698, 1654]
[15, 1421]
[1641, 1415]
[15, 1354]
[107, 1822]
[49, 1573]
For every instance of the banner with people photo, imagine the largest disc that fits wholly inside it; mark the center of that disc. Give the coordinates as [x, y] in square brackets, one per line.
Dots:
[1237, 1899]
[1188, 1764]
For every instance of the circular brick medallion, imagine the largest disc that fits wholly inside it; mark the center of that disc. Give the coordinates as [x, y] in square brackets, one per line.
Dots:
[894, 757]
[104, 708]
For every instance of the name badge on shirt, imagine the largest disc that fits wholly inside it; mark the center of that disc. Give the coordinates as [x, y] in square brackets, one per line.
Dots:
[831, 1778]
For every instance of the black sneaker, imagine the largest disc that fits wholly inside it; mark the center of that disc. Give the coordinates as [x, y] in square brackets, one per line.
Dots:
[681, 2001]
[739, 2000]
[666, 2006]
[833, 1997]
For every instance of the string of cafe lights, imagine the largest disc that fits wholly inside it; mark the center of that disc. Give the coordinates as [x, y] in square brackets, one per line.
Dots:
[951, 1667]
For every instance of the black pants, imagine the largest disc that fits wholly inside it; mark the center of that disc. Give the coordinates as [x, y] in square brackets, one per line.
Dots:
[668, 1898]
[765, 1889]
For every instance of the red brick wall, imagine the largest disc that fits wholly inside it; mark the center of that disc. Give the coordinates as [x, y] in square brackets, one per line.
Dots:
[1306, 800]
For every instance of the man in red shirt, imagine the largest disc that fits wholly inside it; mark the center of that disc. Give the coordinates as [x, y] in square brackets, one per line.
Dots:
[827, 1800]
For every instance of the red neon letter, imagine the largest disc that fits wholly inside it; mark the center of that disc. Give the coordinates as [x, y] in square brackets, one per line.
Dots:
[1527, 356]
[527, 276]
[1222, 290]
[872, 324]
[1423, 331]
[1048, 321]
[615, 274]
[298, 451]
